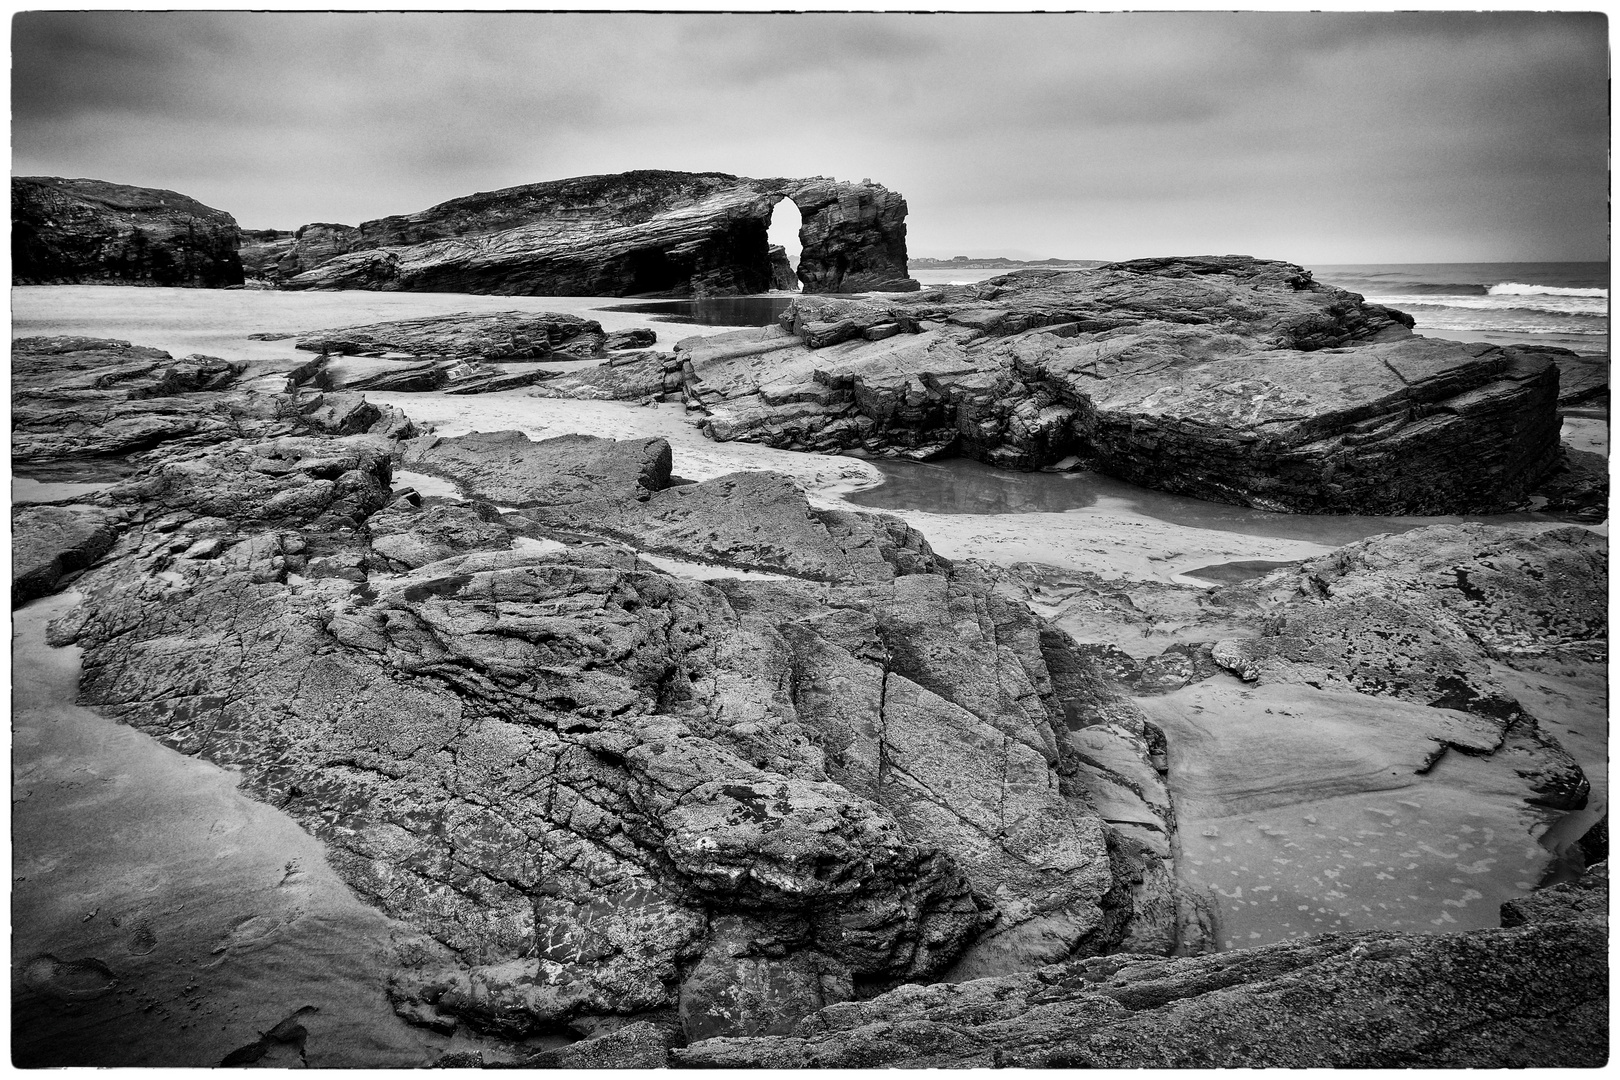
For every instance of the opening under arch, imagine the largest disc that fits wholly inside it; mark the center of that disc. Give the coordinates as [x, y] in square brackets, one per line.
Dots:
[784, 233]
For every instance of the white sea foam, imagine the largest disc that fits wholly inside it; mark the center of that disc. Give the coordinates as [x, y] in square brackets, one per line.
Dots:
[1514, 288]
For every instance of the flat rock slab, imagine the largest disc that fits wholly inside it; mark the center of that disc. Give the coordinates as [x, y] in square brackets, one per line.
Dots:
[509, 469]
[491, 337]
[752, 521]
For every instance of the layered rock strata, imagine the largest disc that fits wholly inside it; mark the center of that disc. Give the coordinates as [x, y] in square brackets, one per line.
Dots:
[488, 337]
[639, 233]
[72, 231]
[1231, 379]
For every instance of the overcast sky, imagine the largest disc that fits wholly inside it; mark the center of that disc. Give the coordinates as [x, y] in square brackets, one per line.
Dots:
[1316, 138]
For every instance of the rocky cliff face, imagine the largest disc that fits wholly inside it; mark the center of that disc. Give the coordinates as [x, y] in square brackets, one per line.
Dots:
[67, 231]
[1232, 379]
[649, 232]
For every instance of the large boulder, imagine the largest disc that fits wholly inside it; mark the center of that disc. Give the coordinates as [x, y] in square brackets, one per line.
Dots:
[1231, 379]
[69, 231]
[636, 233]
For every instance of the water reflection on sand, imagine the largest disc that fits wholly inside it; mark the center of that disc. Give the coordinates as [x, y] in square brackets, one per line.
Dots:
[961, 486]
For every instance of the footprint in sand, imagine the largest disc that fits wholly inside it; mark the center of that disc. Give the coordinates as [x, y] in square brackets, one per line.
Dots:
[70, 980]
[141, 940]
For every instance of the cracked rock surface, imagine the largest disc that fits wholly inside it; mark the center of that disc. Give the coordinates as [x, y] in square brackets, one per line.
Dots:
[1534, 993]
[603, 800]
[595, 789]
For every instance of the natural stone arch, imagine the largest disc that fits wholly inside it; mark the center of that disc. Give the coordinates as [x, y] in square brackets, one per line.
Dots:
[853, 235]
[650, 232]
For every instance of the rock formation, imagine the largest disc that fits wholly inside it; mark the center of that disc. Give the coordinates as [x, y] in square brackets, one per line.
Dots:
[72, 231]
[607, 800]
[1532, 994]
[626, 792]
[1231, 379]
[638, 233]
[487, 337]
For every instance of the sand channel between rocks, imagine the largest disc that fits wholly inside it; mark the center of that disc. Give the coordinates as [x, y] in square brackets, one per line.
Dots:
[159, 917]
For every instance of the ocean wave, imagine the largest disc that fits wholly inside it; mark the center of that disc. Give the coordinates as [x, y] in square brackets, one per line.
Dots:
[1567, 305]
[1409, 288]
[1514, 288]
[1506, 321]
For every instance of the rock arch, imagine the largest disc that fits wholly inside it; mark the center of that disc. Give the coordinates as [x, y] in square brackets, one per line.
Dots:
[639, 233]
[853, 236]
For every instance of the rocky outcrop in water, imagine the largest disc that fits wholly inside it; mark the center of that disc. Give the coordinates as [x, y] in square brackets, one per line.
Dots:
[75, 231]
[1231, 379]
[639, 233]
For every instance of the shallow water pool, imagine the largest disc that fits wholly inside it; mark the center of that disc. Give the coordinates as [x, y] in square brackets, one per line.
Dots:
[963, 486]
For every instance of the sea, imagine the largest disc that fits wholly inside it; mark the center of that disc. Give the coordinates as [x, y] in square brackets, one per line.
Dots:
[1549, 303]
[1562, 303]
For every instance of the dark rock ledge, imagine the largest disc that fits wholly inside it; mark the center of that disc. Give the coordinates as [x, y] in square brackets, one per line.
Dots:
[604, 801]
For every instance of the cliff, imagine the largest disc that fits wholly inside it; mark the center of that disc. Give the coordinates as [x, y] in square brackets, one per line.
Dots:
[637, 233]
[70, 231]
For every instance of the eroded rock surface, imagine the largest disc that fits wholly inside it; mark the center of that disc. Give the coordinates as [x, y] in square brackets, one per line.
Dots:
[489, 337]
[1232, 379]
[613, 802]
[593, 789]
[70, 231]
[1532, 994]
[646, 232]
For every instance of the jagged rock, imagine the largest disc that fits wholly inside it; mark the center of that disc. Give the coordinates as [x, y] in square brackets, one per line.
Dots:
[90, 230]
[507, 468]
[1533, 994]
[782, 275]
[646, 232]
[638, 338]
[1231, 379]
[487, 337]
[91, 399]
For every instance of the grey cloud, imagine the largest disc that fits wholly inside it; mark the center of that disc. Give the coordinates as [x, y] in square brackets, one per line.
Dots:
[1092, 127]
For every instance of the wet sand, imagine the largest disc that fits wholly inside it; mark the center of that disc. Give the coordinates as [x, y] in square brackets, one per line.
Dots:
[159, 917]
[217, 322]
[1302, 811]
